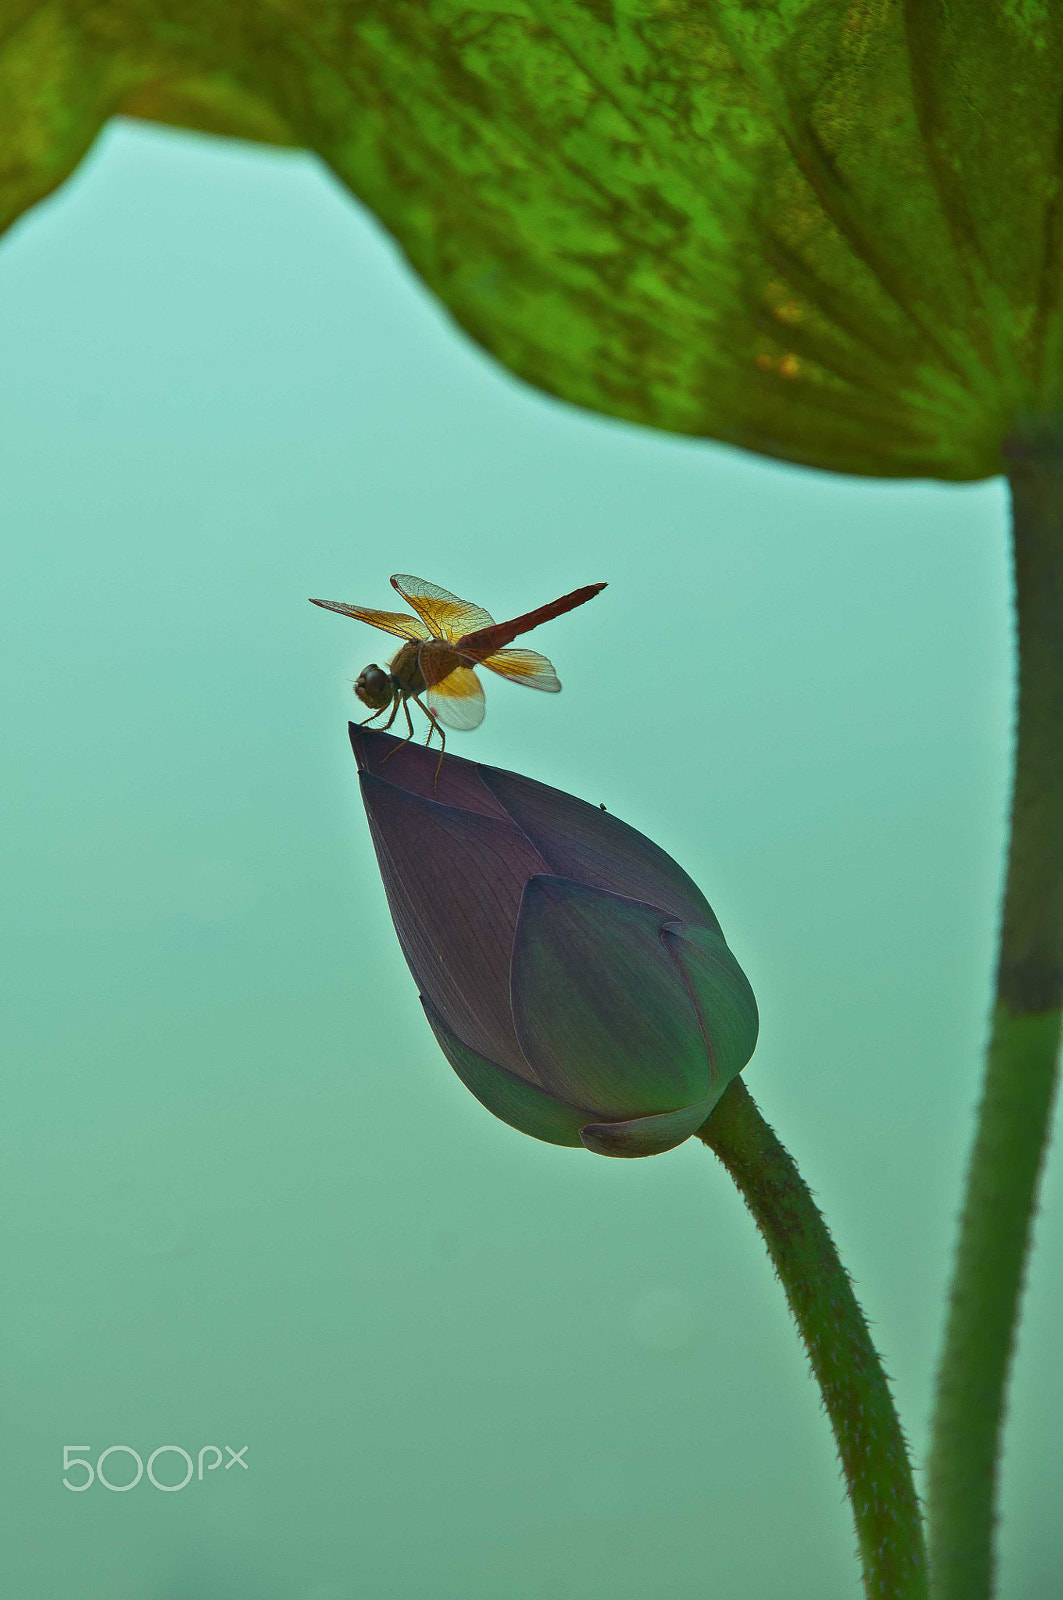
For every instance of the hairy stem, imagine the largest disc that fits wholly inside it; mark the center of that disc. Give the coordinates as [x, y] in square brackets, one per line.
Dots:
[1015, 1111]
[846, 1366]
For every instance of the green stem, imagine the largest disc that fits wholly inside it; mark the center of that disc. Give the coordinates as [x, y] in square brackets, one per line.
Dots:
[1015, 1112]
[846, 1366]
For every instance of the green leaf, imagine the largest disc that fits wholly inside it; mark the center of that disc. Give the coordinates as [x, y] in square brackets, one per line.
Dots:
[827, 230]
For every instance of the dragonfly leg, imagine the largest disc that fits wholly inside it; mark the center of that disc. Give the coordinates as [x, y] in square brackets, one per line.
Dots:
[434, 726]
[394, 712]
[400, 700]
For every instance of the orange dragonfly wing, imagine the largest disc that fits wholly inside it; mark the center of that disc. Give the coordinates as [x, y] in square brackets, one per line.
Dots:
[447, 616]
[458, 699]
[524, 666]
[398, 622]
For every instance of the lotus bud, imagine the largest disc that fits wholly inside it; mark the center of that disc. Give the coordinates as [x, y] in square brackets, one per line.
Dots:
[574, 976]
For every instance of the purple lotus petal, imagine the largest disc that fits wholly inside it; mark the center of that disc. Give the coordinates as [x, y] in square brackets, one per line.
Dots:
[416, 769]
[601, 1011]
[508, 1097]
[645, 1136]
[454, 881]
[593, 847]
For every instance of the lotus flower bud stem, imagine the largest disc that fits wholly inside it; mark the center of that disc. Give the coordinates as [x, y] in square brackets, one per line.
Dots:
[847, 1368]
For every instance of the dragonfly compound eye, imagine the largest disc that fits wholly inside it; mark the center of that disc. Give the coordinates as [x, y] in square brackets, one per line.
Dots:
[373, 687]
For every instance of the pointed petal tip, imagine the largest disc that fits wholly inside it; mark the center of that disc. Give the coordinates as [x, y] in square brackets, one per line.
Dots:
[418, 770]
[370, 747]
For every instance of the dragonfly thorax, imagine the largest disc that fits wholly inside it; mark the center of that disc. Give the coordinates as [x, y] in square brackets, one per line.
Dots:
[422, 663]
[374, 687]
[406, 668]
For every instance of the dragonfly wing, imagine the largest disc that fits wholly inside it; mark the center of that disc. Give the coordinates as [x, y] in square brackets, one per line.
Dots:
[525, 666]
[397, 622]
[447, 616]
[458, 699]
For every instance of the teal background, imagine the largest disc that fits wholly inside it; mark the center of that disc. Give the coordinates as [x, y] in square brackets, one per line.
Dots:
[245, 1199]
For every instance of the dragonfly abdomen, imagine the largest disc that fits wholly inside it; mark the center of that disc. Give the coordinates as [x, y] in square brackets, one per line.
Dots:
[477, 646]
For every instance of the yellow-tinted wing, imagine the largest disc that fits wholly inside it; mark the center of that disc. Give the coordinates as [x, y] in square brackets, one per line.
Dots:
[398, 622]
[458, 699]
[447, 616]
[524, 666]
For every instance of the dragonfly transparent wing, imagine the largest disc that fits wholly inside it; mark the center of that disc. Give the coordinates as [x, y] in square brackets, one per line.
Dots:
[458, 699]
[447, 616]
[524, 666]
[398, 622]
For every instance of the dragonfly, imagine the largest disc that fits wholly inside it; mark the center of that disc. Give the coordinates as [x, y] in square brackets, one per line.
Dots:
[446, 640]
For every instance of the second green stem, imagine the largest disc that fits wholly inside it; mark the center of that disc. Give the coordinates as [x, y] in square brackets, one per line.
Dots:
[1015, 1112]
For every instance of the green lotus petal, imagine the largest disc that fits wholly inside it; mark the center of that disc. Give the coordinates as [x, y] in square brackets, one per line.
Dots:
[646, 1136]
[796, 227]
[521, 1104]
[722, 996]
[601, 1010]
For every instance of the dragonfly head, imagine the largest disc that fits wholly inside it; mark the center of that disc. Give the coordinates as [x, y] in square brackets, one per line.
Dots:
[374, 687]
